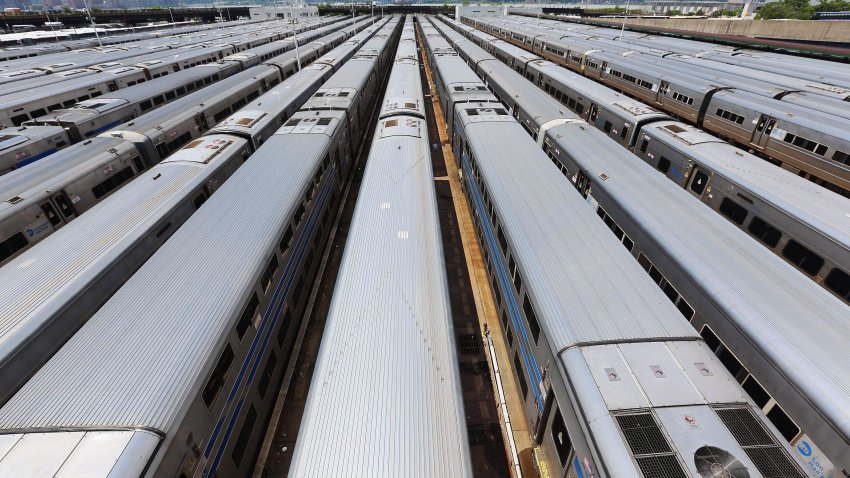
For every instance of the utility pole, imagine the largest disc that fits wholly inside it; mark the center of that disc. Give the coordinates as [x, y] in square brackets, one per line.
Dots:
[623, 30]
[88, 12]
[171, 12]
[295, 37]
[51, 26]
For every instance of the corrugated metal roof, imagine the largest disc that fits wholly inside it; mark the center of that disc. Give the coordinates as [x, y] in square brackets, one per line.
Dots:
[585, 286]
[787, 316]
[151, 346]
[386, 393]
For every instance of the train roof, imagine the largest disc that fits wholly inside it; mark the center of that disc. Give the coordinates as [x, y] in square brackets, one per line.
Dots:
[57, 166]
[11, 100]
[775, 306]
[410, 418]
[59, 268]
[586, 287]
[136, 362]
[787, 192]
[625, 106]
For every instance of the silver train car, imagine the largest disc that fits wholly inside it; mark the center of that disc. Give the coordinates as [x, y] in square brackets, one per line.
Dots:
[88, 260]
[603, 360]
[394, 407]
[161, 130]
[24, 145]
[802, 223]
[75, 179]
[19, 106]
[804, 146]
[217, 390]
[755, 331]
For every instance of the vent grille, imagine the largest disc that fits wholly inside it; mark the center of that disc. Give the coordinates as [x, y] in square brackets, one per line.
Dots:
[642, 434]
[649, 446]
[468, 344]
[661, 466]
[767, 455]
[324, 121]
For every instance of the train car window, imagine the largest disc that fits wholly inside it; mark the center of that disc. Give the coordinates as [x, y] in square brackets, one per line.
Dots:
[497, 292]
[644, 144]
[199, 200]
[244, 436]
[519, 372]
[783, 423]
[531, 317]
[50, 213]
[510, 336]
[96, 94]
[729, 361]
[268, 372]
[500, 234]
[286, 239]
[158, 100]
[109, 184]
[805, 259]
[579, 108]
[685, 308]
[299, 213]
[518, 282]
[710, 339]
[699, 181]
[764, 232]
[83, 98]
[607, 127]
[628, 243]
[64, 204]
[38, 112]
[269, 273]
[54, 107]
[755, 391]
[12, 245]
[732, 210]
[68, 103]
[145, 105]
[841, 157]
[248, 316]
[170, 95]
[219, 373]
[644, 262]
[19, 120]
[281, 331]
[563, 443]
[504, 320]
[839, 282]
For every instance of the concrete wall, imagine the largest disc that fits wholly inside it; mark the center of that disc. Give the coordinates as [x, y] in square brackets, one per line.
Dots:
[808, 30]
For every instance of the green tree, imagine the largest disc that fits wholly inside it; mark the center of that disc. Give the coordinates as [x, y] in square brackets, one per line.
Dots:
[799, 9]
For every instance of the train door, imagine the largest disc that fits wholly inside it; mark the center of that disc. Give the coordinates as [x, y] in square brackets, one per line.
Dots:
[201, 123]
[592, 113]
[699, 182]
[763, 128]
[583, 184]
[663, 89]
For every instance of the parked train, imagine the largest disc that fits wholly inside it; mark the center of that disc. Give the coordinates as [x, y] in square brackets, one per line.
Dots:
[813, 144]
[786, 213]
[400, 390]
[182, 362]
[614, 383]
[17, 107]
[707, 268]
[88, 260]
[45, 196]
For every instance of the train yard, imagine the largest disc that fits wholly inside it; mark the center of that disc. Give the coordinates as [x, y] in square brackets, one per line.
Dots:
[423, 246]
